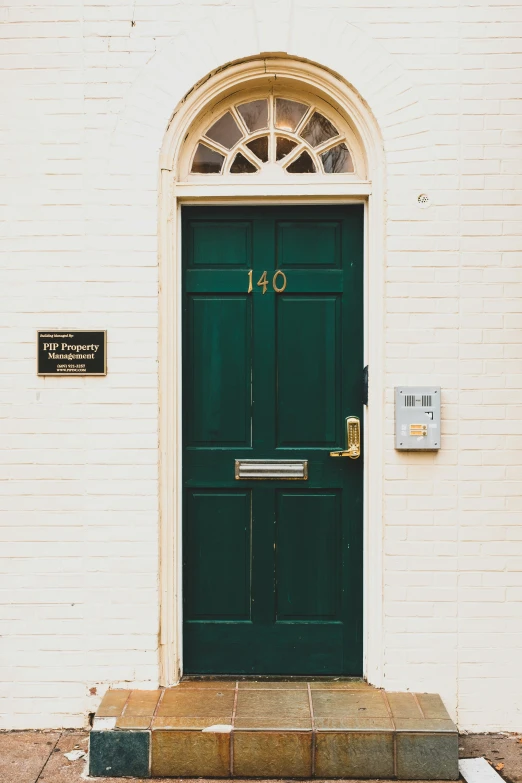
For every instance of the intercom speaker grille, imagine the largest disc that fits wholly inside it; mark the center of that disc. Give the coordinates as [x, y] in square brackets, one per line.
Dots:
[410, 401]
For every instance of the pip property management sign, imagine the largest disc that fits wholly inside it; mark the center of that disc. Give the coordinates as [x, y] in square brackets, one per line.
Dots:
[72, 353]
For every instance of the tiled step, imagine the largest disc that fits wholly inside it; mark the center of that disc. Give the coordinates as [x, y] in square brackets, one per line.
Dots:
[221, 729]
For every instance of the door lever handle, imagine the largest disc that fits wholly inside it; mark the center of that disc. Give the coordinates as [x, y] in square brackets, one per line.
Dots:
[353, 439]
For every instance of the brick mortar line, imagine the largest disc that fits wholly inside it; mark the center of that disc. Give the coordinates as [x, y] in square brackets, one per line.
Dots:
[388, 708]
[48, 757]
[156, 708]
[122, 713]
[417, 702]
[312, 718]
[390, 715]
[234, 708]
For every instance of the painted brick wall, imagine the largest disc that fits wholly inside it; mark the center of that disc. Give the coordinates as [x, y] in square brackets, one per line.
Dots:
[84, 110]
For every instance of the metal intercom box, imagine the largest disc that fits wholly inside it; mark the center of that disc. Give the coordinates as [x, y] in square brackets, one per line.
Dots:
[417, 418]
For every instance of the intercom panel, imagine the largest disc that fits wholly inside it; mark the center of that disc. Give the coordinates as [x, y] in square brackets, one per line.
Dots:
[417, 418]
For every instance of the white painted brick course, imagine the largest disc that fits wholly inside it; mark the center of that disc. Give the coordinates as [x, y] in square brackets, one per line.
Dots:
[86, 92]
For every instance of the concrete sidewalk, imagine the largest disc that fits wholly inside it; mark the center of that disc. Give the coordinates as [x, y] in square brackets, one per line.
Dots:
[38, 756]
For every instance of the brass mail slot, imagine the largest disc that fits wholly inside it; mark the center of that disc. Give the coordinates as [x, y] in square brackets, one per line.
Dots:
[296, 470]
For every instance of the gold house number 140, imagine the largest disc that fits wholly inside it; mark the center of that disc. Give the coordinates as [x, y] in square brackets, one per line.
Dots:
[263, 282]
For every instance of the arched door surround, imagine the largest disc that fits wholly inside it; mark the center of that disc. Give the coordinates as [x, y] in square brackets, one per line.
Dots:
[227, 142]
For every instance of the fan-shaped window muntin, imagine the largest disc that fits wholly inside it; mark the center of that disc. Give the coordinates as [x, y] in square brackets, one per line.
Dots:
[296, 135]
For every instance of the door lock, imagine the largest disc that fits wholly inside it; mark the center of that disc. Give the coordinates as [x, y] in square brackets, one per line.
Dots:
[353, 439]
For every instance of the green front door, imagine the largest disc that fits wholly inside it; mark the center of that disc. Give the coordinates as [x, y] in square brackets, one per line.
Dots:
[273, 365]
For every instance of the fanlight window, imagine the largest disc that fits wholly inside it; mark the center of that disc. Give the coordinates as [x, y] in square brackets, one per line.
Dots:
[296, 136]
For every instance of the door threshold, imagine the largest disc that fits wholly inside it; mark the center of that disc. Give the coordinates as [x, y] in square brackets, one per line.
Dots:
[269, 678]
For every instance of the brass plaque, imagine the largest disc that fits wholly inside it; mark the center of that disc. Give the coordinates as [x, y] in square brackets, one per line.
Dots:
[72, 353]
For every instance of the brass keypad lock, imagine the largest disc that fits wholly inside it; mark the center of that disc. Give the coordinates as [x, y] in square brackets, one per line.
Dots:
[353, 439]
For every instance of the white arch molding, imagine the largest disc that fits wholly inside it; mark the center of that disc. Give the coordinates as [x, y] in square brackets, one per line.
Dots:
[174, 192]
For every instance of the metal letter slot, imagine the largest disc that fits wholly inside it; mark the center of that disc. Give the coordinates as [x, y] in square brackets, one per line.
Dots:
[272, 469]
[353, 439]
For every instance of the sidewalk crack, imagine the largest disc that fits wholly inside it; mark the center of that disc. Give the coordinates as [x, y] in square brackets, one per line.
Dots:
[60, 735]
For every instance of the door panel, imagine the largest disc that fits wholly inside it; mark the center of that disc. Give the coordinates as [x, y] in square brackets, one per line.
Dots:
[219, 356]
[308, 555]
[308, 370]
[222, 243]
[218, 540]
[272, 568]
[312, 243]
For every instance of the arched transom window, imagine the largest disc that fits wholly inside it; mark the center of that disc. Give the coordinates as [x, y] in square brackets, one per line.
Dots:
[251, 135]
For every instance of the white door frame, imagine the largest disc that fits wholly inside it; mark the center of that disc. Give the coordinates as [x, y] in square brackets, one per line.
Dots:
[310, 190]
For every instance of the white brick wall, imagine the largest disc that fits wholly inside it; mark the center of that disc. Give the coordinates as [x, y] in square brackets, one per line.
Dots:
[87, 89]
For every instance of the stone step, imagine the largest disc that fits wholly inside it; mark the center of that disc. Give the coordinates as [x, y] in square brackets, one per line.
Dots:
[273, 729]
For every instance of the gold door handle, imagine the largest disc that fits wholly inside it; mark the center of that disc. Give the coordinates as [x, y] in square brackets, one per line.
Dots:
[353, 439]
